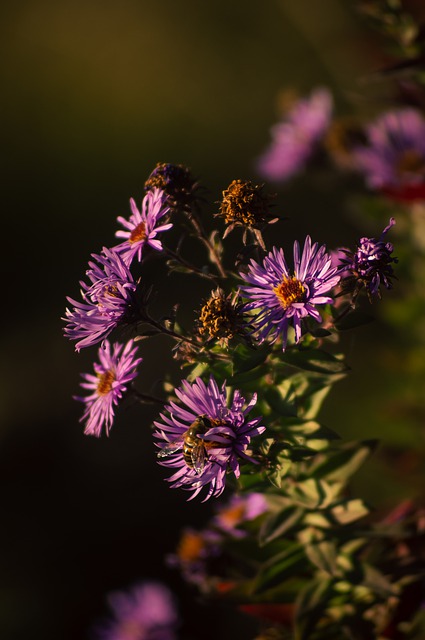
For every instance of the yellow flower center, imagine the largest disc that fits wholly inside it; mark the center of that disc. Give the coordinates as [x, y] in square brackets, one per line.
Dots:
[106, 380]
[138, 233]
[288, 291]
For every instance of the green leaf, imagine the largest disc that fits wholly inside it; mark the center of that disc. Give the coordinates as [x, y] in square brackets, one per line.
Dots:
[312, 493]
[314, 360]
[353, 319]
[289, 563]
[312, 429]
[310, 606]
[349, 511]
[250, 376]
[278, 402]
[246, 358]
[323, 555]
[280, 523]
[341, 465]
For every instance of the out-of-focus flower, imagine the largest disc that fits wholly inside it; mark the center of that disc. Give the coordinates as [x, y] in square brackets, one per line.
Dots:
[369, 266]
[296, 137]
[147, 611]
[195, 552]
[114, 371]
[108, 301]
[221, 317]
[177, 183]
[281, 298]
[244, 204]
[343, 136]
[393, 160]
[203, 438]
[142, 226]
[240, 509]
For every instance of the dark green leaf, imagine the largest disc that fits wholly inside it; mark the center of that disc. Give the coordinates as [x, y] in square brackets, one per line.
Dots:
[246, 358]
[340, 465]
[314, 360]
[280, 523]
[353, 319]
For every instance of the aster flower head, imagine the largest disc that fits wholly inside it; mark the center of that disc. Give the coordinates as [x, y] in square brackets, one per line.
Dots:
[177, 183]
[108, 301]
[142, 227]
[245, 204]
[146, 611]
[393, 159]
[369, 266]
[296, 137]
[116, 368]
[221, 317]
[281, 297]
[202, 438]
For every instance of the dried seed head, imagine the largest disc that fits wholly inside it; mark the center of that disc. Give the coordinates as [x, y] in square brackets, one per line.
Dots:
[176, 181]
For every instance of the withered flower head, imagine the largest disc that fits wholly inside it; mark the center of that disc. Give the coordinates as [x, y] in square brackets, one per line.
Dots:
[245, 204]
[221, 317]
[176, 181]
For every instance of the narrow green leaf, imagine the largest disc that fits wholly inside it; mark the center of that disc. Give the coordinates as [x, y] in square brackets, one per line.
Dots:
[353, 319]
[246, 358]
[339, 466]
[289, 563]
[280, 523]
[315, 360]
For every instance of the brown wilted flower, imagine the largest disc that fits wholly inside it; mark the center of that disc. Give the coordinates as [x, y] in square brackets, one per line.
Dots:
[221, 317]
[176, 181]
[244, 204]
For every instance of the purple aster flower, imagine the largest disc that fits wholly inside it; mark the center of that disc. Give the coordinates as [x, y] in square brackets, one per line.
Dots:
[142, 227]
[107, 301]
[203, 438]
[113, 372]
[296, 137]
[147, 611]
[369, 266]
[281, 298]
[393, 160]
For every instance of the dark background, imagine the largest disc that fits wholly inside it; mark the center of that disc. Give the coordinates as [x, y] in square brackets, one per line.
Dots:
[94, 94]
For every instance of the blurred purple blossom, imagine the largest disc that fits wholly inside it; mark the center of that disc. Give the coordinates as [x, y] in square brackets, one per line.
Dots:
[146, 611]
[393, 159]
[296, 137]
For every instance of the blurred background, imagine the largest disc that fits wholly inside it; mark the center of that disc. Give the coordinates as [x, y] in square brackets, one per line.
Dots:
[94, 94]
